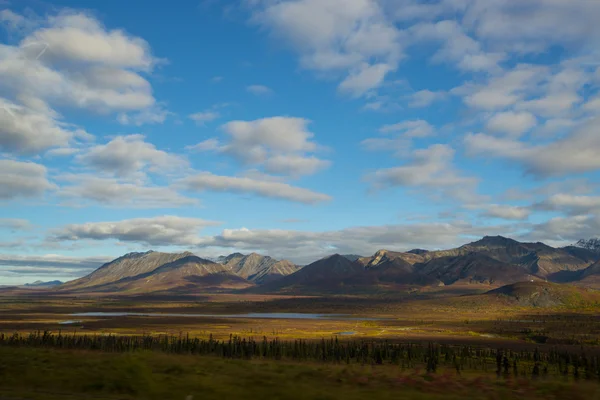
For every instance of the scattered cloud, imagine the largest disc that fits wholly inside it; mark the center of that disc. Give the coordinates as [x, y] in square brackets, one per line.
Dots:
[571, 204]
[575, 153]
[259, 90]
[126, 155]
[202, 117]
[23, 179]
[165, 230]
[353, 39]
[425, 98]
[15, 224]
[281, 144]
[411, 129]
[260, 187]
[26, 131]
[211, 144]
[72, 60]
[511, 123]
[430, 169]
[507, 212]
[84, 189]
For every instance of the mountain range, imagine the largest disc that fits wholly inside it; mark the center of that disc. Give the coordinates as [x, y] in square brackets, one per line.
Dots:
[491, 261]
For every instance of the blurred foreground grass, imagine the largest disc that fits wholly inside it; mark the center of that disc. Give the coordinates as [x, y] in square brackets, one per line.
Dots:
[64, 374]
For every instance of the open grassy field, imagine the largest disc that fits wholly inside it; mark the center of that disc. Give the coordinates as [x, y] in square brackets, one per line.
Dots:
[68, 374]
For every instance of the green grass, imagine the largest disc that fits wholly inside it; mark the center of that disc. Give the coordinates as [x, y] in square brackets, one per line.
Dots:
[27, 373]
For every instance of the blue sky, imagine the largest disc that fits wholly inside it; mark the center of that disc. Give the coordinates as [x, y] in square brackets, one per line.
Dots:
[294, 128]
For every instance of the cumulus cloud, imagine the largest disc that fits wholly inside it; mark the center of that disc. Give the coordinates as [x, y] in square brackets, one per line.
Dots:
[512, 123]
[260, 187]
[456, 46]
[23, 179]
[157, 231]
[503, 90]
[350, 37]
[430, 169]
[575, 153]
[71, 60]
[26, 131]
[126, 155]
[281, 144]
[425, 98]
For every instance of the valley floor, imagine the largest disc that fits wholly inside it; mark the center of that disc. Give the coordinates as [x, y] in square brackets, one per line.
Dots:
[441, 317]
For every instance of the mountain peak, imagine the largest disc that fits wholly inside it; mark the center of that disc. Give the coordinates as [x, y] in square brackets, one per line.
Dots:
[589, 244]
[494, 241]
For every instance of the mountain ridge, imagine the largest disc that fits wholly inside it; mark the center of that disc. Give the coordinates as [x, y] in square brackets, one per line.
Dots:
[492, 261]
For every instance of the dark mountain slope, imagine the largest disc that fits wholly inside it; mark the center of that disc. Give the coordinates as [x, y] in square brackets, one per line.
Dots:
[325, 275]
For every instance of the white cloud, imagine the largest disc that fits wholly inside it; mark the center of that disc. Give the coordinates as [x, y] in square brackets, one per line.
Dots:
[152, 115]
[400, 143]
[507, 212]
[512, 123]
[363, 78]
[571, 204]
[79, 37]
[71, 60]
[575, 153]
[533, 26]
[503, 90]
[560, 231]
[352, 37]
[15, 224]
[457, 47]
[430, 169]
[157, 231]
[84, 188]
[411, 129]
[295, 165]
[22, 179]
[267, 141]
[593, 104]
[201, 117]
[259, 90]
[425, 98]
[266, 188]
[126, 155]
[260, 187]
[206, 145]
[25, 131]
